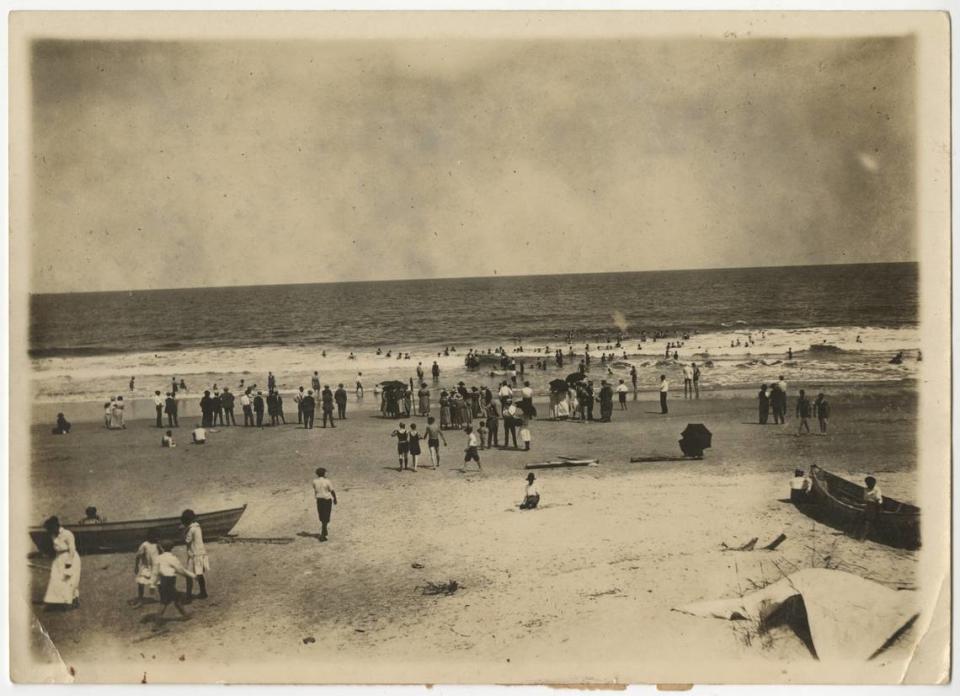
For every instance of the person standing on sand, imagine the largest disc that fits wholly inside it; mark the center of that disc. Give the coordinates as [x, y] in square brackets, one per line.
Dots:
[326, 405]
[63, 587]
[493, 424]
[782, 388]
[433, 436]
[696, 381]
[226, 400]
[606, 401]
[326, 498]
[340, 396]
[206, 410]
[158, 403]
[145, 567]
[359, 389]
[298, 400]
[510, 416]
[258, 408]
[423, 397]
[633, 379]
[315, 382]
[803, 412]
[168, 567]
[217, 404]
[435, 370]
[403, 444]
[471, 452]
[763, 404]
[821, 409]
[664, 389]
[245, 404]
[309, 405]
[622, 395]
[197, 560]
[414, 444]
[687, 381]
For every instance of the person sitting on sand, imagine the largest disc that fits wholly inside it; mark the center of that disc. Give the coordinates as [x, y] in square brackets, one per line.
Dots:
[91, 517]
[62, 427]
[531, 493]
[199, 435]
[799, 486]
[167, 440]
[873, 500]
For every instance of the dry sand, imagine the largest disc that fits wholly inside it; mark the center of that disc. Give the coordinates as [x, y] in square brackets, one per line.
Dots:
[579, 590]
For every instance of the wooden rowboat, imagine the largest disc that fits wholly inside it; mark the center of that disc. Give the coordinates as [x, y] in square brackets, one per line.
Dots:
[128, 535]
[839, 503]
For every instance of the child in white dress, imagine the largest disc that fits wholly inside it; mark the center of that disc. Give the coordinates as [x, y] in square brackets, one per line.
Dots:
[197, 560]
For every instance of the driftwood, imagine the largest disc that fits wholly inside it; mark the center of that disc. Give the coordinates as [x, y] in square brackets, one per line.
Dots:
[751, 545]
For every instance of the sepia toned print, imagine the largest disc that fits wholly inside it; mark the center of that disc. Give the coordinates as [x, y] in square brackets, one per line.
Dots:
[480, 348]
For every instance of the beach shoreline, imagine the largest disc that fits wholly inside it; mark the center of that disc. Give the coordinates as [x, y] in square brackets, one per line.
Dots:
[516, 569]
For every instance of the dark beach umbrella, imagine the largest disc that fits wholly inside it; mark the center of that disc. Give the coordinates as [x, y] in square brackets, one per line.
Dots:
[558, 385]
[393, 384]
[575, 377]
[694, 439]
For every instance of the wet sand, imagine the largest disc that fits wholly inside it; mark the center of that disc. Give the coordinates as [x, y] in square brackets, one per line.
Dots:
[578, 590]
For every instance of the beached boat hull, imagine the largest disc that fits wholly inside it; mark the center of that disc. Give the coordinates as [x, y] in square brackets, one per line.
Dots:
[127, 536]
[839, 503]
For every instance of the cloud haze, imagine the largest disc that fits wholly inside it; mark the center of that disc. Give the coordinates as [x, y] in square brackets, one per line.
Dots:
[159, 164]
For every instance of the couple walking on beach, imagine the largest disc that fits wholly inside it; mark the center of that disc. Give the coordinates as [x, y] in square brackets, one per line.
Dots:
[408, 444]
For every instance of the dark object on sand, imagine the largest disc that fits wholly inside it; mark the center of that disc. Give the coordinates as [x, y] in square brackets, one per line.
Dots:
[657, 458]
[746, 547]
[441, 588]
[563, 462]
[776, 542]
[559, 385]
[839, 503]
[127, 536]
[694, 439]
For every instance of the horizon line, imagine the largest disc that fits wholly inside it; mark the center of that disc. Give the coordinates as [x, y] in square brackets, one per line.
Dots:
[483, 277]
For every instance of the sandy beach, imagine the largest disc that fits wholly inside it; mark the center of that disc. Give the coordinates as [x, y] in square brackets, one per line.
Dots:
[583, 586]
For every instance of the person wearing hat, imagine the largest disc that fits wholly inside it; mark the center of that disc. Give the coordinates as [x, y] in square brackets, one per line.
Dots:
[873, 500]
[531, 493]
[326, 498]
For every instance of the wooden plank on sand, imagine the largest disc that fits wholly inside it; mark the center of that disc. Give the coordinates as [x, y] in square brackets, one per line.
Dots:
[558, 463]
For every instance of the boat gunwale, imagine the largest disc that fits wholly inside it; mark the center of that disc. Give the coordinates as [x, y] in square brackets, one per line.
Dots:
[134, 524]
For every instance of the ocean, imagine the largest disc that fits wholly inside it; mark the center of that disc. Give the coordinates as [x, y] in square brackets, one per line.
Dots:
[86, 346]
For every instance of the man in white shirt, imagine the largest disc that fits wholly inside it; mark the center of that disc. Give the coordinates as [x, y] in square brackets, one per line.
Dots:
[687, 382]
[247, 406]
[622, 395]
[326, 498]
[531, 493]
[664, 388]
[505, 393]
[298, 400]
[199, 435]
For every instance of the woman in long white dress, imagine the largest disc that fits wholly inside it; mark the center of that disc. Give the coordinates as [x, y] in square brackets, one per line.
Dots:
[63, 589]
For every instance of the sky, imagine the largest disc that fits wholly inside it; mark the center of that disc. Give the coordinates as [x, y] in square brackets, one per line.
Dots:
[165, 164]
